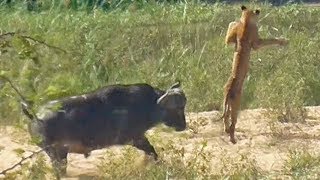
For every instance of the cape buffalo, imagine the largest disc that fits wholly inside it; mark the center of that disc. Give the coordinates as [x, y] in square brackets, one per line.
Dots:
[113, 115]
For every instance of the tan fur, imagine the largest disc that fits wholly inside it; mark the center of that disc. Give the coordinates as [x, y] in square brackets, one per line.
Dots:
[244, 34]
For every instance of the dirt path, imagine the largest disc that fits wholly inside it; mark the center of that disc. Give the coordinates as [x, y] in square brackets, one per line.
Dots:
[261, 140]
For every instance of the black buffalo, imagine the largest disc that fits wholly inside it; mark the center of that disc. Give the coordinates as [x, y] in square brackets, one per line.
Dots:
[112, 115]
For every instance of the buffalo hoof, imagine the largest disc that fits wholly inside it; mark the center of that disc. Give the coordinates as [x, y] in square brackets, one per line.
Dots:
[158, 162]
[151, 157]
[86, 155]
[155, 156]
[233, 140]
[60, 172]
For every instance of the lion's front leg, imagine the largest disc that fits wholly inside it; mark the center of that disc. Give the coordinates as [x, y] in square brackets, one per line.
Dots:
[231, 36]
[268, 42]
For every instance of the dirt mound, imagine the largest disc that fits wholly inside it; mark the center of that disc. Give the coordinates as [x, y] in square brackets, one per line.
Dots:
[263, 141]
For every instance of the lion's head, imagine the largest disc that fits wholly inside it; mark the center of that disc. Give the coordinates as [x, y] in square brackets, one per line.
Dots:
[249, 15]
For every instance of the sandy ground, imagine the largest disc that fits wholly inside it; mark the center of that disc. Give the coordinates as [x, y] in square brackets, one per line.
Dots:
[261, 139]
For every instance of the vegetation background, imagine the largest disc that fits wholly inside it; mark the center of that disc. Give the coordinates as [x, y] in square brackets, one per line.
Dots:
[126, 41]
[156, 43]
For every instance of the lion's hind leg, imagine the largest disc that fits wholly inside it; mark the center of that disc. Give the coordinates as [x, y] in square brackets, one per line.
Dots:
[235, 107]
[226, 117]
[227, 102]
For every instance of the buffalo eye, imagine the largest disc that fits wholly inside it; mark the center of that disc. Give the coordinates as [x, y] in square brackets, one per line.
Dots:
[257, 12]
[243, 7]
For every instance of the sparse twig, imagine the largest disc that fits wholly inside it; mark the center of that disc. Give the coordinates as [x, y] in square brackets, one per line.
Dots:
[44, 43]
[25, 102]
[22, 160]
[11, 34]
[7, 34]
[15, 88]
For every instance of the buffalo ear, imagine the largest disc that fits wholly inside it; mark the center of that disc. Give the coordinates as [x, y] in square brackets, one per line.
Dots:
[243, 7]
[257, 12]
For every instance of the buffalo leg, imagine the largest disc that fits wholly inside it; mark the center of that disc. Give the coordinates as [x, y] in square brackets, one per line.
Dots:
[58, 156]
[143, 143]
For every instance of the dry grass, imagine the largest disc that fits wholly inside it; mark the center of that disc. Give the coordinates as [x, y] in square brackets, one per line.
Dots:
[266, 149]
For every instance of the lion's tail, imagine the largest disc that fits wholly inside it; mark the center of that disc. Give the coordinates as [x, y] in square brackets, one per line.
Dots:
[226, 106]
[226, 103]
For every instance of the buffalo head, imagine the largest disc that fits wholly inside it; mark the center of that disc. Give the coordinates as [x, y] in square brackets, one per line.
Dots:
[173, 103]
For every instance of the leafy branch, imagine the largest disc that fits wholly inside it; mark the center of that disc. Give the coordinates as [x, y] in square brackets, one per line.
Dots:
[12, 34]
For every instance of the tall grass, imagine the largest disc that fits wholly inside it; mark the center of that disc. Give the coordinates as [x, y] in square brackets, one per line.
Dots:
[158, 44]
